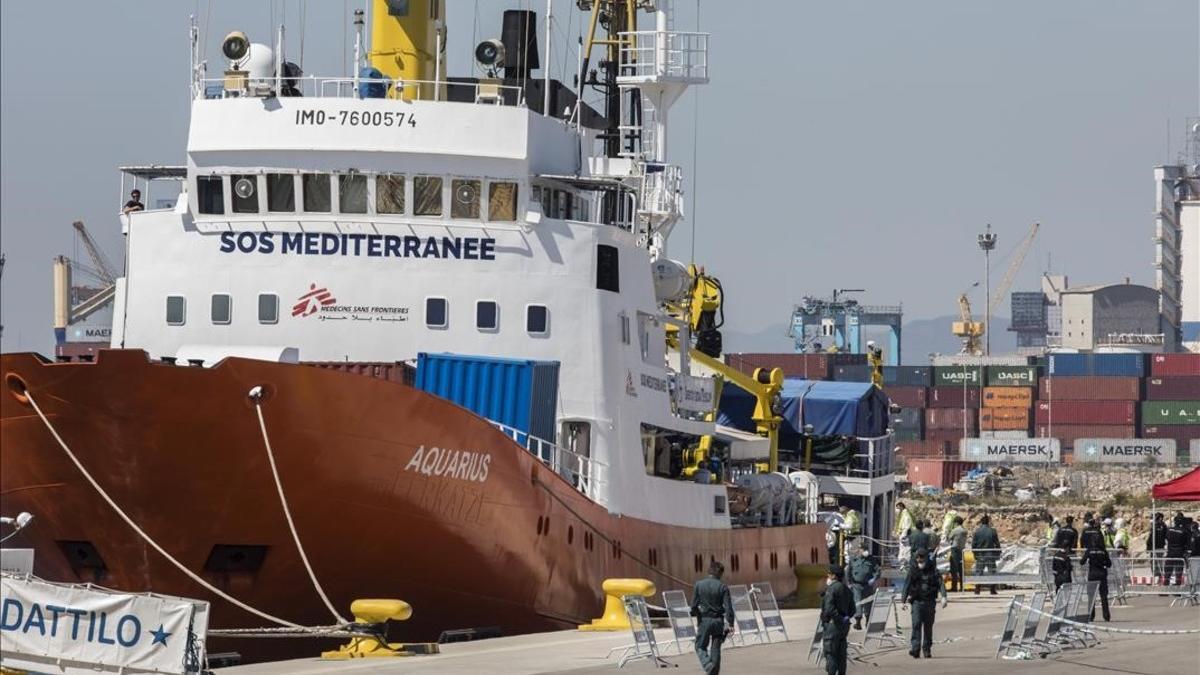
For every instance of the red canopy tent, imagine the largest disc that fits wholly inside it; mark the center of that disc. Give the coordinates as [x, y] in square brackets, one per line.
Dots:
[1185, 488]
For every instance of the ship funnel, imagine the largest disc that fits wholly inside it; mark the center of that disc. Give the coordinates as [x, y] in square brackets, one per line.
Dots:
[519, 36]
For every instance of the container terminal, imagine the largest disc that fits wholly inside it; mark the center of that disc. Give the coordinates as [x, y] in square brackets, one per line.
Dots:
[403, 372]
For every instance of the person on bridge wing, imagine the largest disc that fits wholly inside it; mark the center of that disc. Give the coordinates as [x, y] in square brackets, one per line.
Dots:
[1098, 562]
[922, 586]
[1067, 538]
[861, 575]
[1178, 545]
[836, 608]
[986, 546]
[713, 609]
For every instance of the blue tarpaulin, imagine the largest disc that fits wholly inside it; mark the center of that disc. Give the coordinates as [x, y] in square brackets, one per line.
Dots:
[832, 408]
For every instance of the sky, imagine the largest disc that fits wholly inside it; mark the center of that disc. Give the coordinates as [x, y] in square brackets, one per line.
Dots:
[839, 144]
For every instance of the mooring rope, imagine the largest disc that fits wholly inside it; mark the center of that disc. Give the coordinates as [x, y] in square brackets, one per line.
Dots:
[256, 395]
[145, 537]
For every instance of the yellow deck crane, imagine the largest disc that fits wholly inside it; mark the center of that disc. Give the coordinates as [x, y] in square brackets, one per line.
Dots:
[966, 328]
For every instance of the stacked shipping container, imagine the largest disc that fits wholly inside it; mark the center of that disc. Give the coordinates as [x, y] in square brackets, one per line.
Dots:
[1089, 396]
[1172, 403]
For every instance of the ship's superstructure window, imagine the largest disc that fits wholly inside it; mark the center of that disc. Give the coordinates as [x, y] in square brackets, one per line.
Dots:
[537, 319]
[176, 310]
[210, 192]
[427, 195]
[608, 268]
[389, 193]
[465, 201]
[281, 192]
[502, 201]
[268, 308]
[487, 315]
[222, 308]
[624, 328]
[316, 193]
[435, 313]
[352, 193]
[245, 193]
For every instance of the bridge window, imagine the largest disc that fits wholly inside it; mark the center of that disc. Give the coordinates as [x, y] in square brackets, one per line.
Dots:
[210, 193]
[176, 310]
[502, 201]
[436, 313]
[245, 193]
[281, 192]
[608, 269]
[389, 193]
[465, 202]
[316, 192]
[537, 319]
[352, 193]
[427, 196]
[268, 308]
[222, 309]
[487, 315]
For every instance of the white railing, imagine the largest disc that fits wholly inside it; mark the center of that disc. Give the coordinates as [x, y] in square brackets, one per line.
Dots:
[660, 190]
[664, 55]
[584, 473]
[312, 86]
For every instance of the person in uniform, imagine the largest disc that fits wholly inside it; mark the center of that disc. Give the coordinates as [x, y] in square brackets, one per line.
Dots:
[1067, 538]
[861, 575]
[919, 538]
[986, 545]
[1156, 539]
[1091, 536]
[1060, 563]
[922, 587]
[958, 544]
[1097, 560]
[1178, 546]
[836, 608]
[713, 609]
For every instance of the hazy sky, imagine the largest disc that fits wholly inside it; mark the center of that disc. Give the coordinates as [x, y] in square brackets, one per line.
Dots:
[841, 144]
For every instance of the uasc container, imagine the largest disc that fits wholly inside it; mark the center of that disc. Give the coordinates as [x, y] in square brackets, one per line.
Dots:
[1007, 397]
[1012, 376]
[970, 376]
[1175, 365]
[1089, 388]
[1087, 412]
[1171, 412]
[1182, 388]
[520, 394]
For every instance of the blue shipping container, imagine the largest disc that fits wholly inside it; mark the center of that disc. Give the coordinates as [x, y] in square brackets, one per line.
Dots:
[908, 376]
[514, 392]
[852, 373]
[1097, 365]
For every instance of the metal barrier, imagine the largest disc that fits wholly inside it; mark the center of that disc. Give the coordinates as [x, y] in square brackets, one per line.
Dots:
[768, 609]
[644, 646]
[679, 613]
[882, 602]
[744, 618]
[1010, 626]
[1007, 565]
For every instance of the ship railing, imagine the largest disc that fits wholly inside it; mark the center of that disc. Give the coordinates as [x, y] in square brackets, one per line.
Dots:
[661, 184]
[584, 473]
[873, 457]
[313, 86]
[663, 56]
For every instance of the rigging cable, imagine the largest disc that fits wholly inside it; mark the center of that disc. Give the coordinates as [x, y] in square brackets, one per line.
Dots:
[145, 537]
[256, 395]
[695, 156]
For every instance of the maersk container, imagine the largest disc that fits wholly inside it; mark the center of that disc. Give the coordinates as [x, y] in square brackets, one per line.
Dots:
[906, 397]
[907, 376]
[1175, 365]
[517, 393]
[1087, 388]
[949, 376]
[1171, 412]
[1012, 376]
[1103, 365]
[1087, 412]
[1172, 388]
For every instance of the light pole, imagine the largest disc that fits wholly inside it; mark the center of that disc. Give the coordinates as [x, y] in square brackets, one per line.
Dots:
[987, 242]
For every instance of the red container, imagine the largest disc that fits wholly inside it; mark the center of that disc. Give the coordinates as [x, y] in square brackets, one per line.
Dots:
[1175, 365]
[391, 371]
[1067, 434]
[1182, 433]
[952, 418]
[805, 366]
[953, 397]
[907, 397]
[1172, 388]
[1087, 412]
[940, 473]
[1090, 389]
[953, 436]
[927, 448]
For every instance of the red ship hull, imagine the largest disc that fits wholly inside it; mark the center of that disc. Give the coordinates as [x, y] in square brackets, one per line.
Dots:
[180, 450]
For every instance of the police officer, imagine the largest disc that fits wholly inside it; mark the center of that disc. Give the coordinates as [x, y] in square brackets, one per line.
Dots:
[836, 608]
[1092, 536]
[1177, 547]
[986, 546]
[713, 609]
[958, 544]
[1156, 539]
[922, 587]
[919, 539]
[861, 575]
[1060, 563]
[1067, 538]
[1098, 562]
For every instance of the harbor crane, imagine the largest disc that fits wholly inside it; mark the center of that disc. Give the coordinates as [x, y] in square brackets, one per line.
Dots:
[971, 332]
[67, 310]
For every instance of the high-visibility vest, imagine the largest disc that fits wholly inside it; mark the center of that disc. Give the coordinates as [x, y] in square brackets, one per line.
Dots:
[1108, 539]
[853, 522]
[904, 523]
[1122, 539]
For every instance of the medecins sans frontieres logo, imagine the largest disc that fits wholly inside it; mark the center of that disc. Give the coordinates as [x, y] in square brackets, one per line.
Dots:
[311, 302]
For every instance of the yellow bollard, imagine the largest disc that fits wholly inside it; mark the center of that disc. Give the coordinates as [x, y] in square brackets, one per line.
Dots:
[614, 609]
[371, 614]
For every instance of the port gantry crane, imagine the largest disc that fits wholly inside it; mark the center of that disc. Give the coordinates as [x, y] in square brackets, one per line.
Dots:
[970, 331]
[66, 310]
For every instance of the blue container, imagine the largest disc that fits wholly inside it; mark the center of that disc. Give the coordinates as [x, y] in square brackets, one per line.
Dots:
[908, 376]
[852, 374]
[1095, 365]
[517, 393]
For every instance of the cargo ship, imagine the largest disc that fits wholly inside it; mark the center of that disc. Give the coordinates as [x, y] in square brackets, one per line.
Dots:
[499, 233]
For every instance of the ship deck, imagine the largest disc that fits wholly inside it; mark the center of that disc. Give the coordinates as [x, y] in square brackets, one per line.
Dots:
[969, 626]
